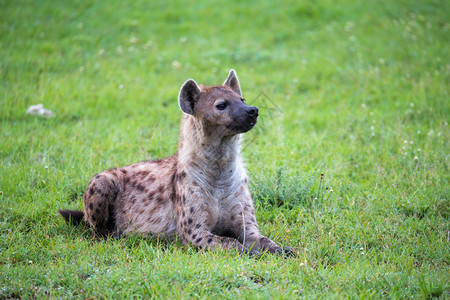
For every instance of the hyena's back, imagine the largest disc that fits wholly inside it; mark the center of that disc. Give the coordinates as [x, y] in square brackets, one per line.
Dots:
[135, 198]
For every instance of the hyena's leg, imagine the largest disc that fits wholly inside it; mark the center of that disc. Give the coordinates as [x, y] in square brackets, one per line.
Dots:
[193, 227]
[99, 202]
[244, 222]
[204, 238]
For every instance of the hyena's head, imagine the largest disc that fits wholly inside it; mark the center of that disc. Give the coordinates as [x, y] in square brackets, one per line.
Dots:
[220, 109]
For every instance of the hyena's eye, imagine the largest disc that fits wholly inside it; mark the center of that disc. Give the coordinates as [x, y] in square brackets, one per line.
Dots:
[243, 100]
[221, 106]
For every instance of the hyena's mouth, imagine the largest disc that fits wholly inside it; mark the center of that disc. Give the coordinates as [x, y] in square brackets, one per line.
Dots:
[242, 127]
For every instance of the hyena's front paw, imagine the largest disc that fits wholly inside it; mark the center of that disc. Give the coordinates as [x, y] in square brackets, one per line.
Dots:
[286, 251]
[269, 245]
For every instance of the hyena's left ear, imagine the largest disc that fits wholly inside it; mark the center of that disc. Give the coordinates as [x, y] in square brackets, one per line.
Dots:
[188, 97]
[233, 82]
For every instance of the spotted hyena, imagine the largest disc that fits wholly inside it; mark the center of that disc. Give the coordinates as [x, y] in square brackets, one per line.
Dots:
[199, 195]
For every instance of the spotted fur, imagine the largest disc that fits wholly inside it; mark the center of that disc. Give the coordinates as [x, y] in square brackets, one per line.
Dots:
[200, 194]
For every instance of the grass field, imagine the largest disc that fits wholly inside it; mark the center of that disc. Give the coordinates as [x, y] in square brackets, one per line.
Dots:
[354, 90]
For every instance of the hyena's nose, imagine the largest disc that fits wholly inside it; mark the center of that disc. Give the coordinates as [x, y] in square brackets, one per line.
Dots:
[252, 111]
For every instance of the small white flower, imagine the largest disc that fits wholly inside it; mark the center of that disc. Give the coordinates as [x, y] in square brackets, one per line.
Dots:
[176, 64]
[101, 52]
[183, 39]
[121, 86]
[133, 40]
[416, 158]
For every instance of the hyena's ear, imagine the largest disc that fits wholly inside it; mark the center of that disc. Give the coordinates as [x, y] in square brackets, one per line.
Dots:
[233, 82]
[189, 94]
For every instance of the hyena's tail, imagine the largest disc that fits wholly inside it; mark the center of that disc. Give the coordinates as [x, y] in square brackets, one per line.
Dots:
[72, 216]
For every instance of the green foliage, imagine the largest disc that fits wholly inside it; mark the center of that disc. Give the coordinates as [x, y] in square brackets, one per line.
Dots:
[354, 90]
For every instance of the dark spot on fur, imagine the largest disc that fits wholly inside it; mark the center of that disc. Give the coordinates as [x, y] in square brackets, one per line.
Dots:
[142, 174]
[183, 199]
[190, 221]
[141, 212]
[100, 205]
[191, 210]
[97, 176]
[232, 218]
[183, 214]
[198, 226]
[123, 171]
[91, 206]
[126, 180]
[194, 236]
[210, 240]
[150, 178]
[140, 188]
[189, 231]
[181, 175]
[91, 191]
[97, 210]
[198, 240]
[246, 180]
[161, 189]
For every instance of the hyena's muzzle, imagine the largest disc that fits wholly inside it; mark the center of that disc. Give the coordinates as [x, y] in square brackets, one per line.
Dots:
[245, 117]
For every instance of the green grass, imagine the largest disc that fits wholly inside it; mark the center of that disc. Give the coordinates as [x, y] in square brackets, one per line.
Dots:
[354, 90]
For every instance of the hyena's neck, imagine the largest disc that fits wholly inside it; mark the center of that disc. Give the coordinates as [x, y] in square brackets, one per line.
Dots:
[204, 150]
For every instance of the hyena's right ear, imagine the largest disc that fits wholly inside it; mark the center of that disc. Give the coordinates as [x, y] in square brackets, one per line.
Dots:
[189, 94]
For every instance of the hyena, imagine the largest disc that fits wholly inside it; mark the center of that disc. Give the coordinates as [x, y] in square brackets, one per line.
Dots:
[200, 195]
